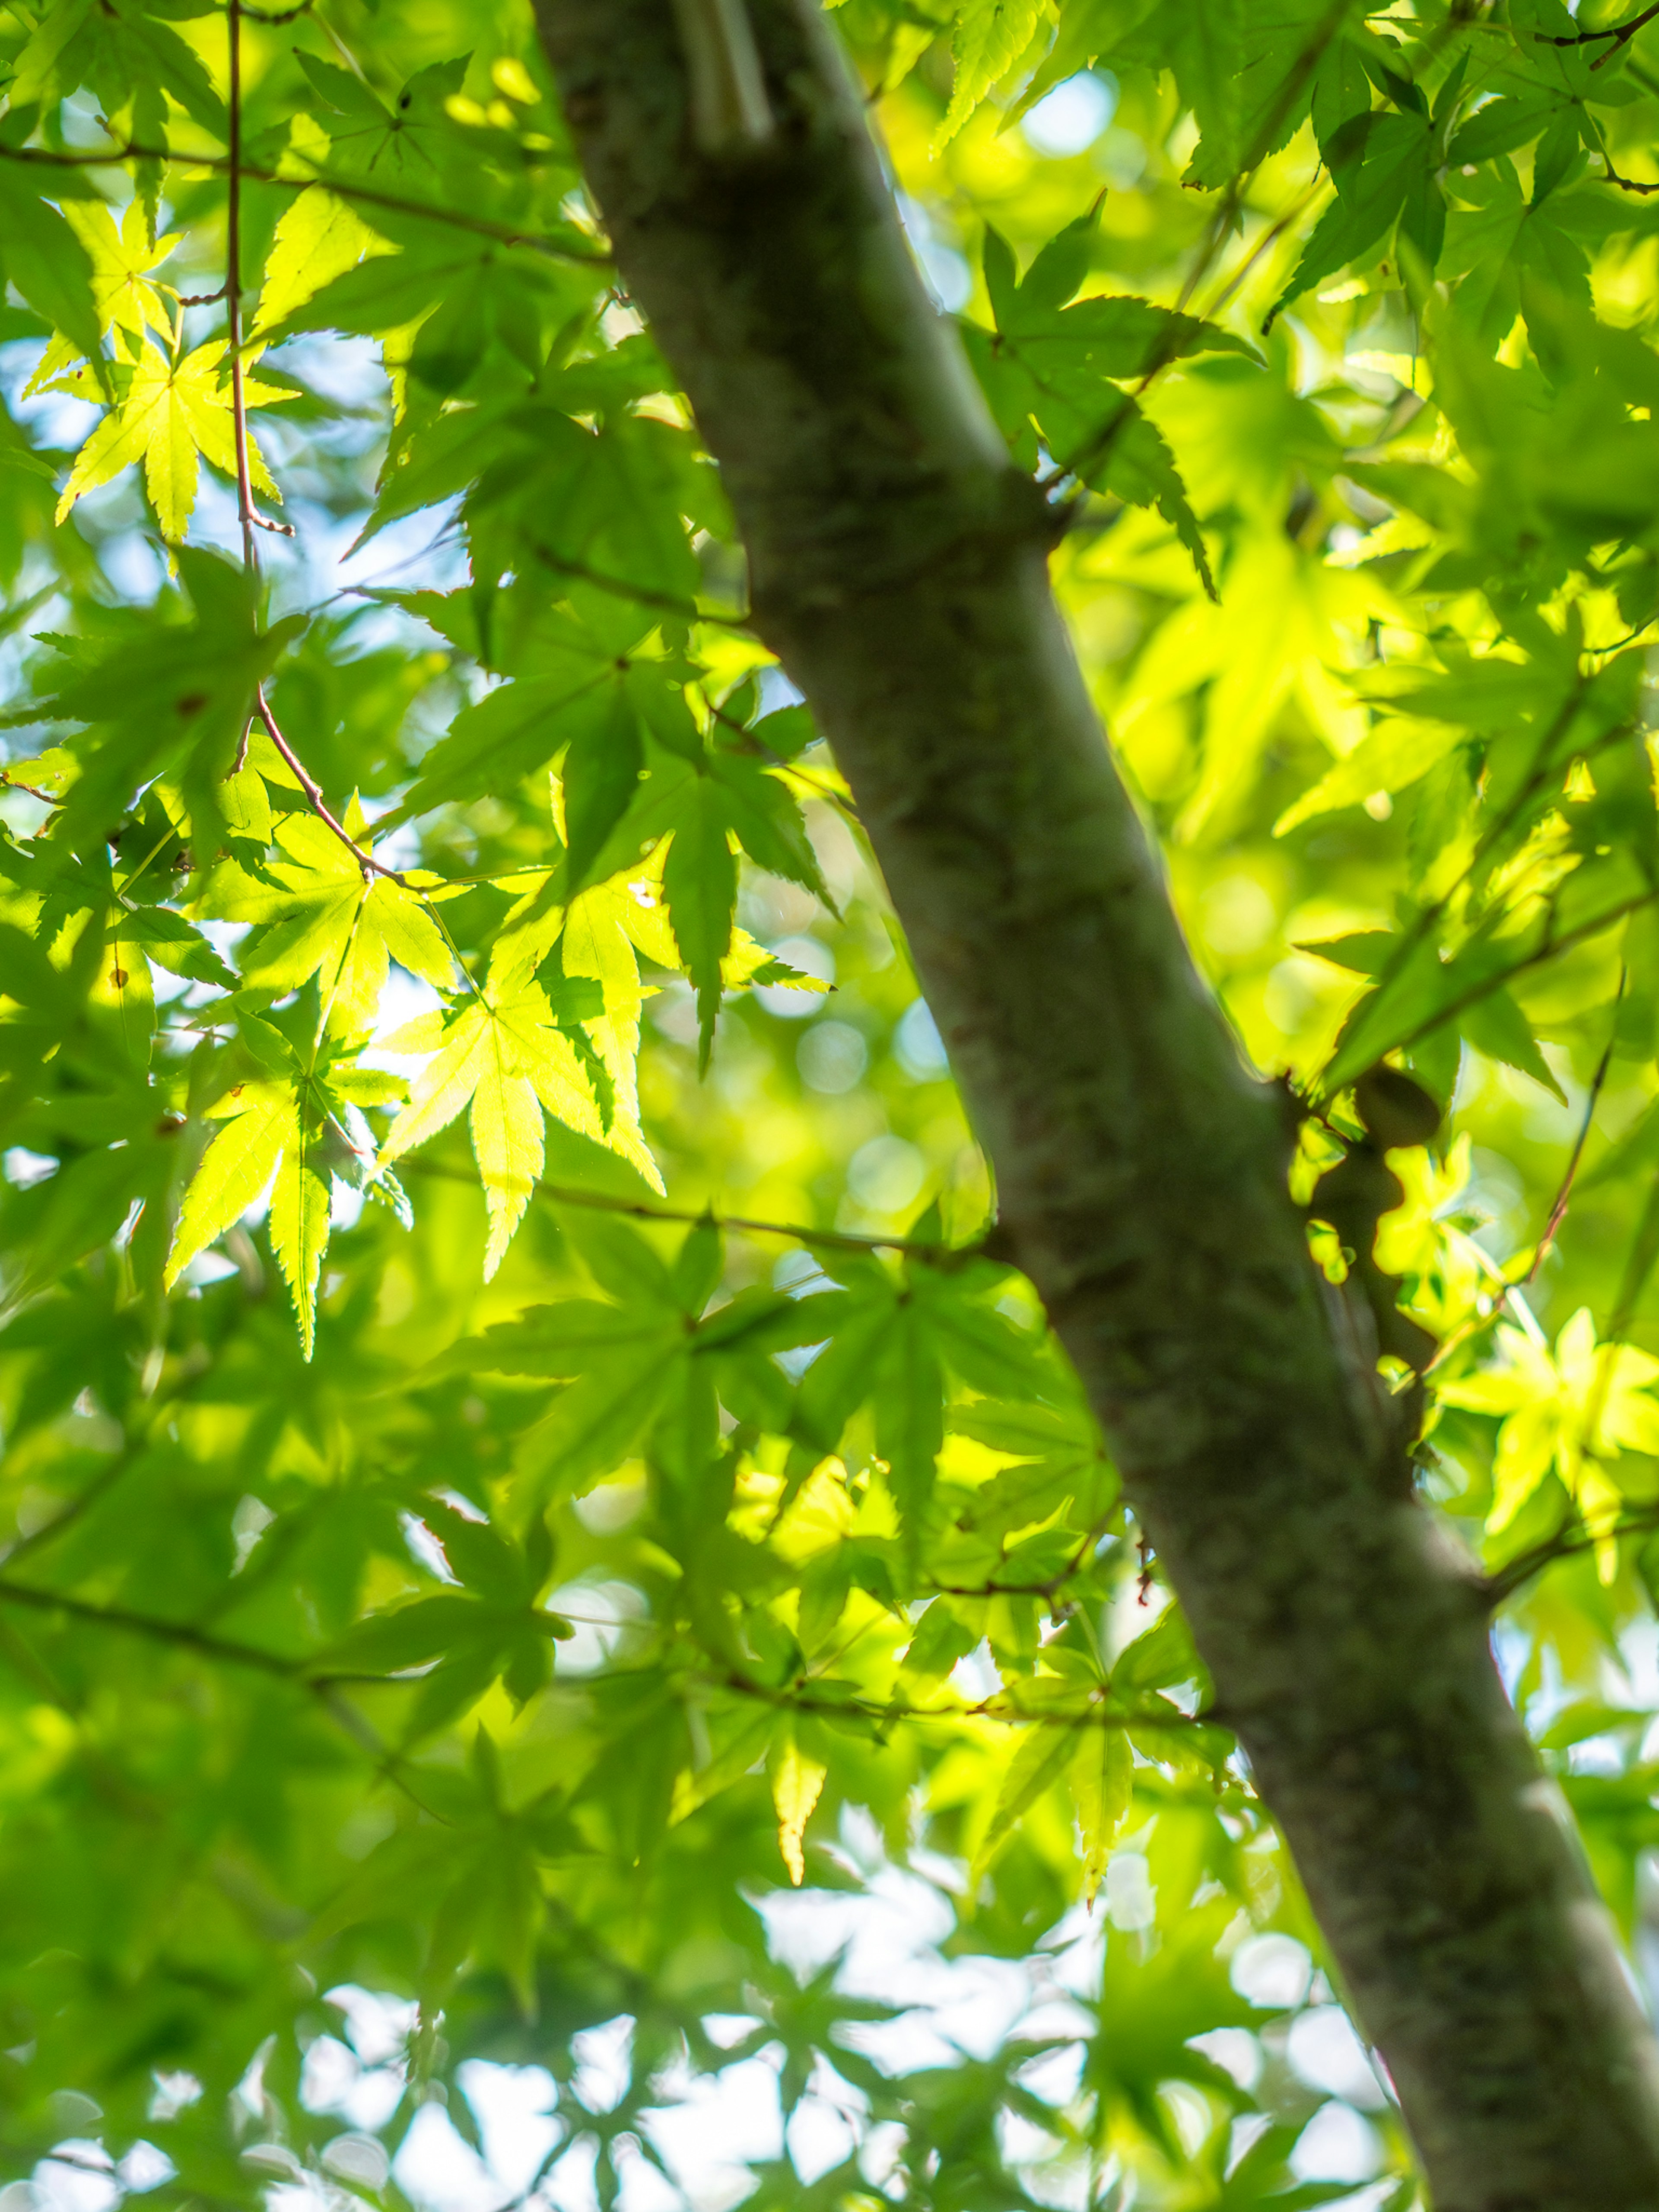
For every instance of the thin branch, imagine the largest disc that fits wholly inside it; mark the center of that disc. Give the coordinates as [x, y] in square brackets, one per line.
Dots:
[247, 515]
[345, 188]
[1621, 34]
[176, 1632]
[1165, 352]
[184, 1637]
[1626, 184]
[1565, 1544]
[233, 299]
[638, 594]
[997, 1707]
[1082, 1558]
[1548, 950]
[1513, 1293]
[1563, 1196]
[1537, 778]
[314, 791]
[834, 1239]
[80, 1505]
[16, 783]
[1264, 245]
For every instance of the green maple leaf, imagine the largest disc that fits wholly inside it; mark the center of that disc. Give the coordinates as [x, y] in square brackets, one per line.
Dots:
[123, 296]
[291, 1133]
[502, 1057]
[172, 413]
[323, 916]
[318, 239]
[991, 36]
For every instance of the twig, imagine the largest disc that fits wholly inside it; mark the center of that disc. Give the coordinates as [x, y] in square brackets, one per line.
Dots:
[1621, 34]
[234, 296]
[1265, 244]
[345, 188]
[82, 1502]
[178, 1632]
[314, 791]
[1162, 355]
[1558, 1212]
[249, 516]
[1563, 1545]
[16, 783]
[1511, 1294]
[834, 1239]
[185, 1636]
[1548, 950]
[995, 1707]
[640, 595]
[1626, 184]
[1537, 777]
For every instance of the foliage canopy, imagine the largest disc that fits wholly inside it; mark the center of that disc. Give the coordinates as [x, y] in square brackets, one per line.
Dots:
[466, 1546]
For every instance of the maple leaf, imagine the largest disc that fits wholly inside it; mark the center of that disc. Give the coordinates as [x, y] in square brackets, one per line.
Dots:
[260, 1119]
[122, 293]
[318, 239]
[171, 413]
[990, 37]
[293, 1133]
[499, 1053]
[323, 918]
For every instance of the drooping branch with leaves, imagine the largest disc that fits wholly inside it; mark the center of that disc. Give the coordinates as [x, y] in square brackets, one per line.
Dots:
[532, 1422]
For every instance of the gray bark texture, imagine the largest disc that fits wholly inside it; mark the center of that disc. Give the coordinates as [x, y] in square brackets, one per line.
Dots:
[899, 568]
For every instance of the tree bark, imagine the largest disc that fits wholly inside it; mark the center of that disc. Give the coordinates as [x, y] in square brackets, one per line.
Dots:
[899, 568]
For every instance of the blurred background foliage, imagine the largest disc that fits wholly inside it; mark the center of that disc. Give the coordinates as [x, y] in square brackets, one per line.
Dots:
[725, 1768]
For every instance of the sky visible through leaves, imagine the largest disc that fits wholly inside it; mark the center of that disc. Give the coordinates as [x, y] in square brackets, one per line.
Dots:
[566, 1634]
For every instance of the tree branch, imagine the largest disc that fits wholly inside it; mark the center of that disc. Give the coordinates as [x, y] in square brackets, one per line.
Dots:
[313, 791]
[999, 1706]
[1566, 1543]
[180, 1633]
[831, 1240]
[247, 515]
[897, 566]
[345, 188]
[1619, 33]
[1558, 1212]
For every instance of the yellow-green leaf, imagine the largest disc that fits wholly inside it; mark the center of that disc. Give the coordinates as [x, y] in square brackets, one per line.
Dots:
[1034, 1765]
[506, 1139]
[171, 414]
[298, 1224]
[502, 1055]
[1389, 760]
[318, 239]
[796, 1782]
[235, 1168]
[1103, 1779]
[991, 36]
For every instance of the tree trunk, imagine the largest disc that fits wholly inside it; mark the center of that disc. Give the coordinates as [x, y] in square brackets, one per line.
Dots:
[898, 567]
